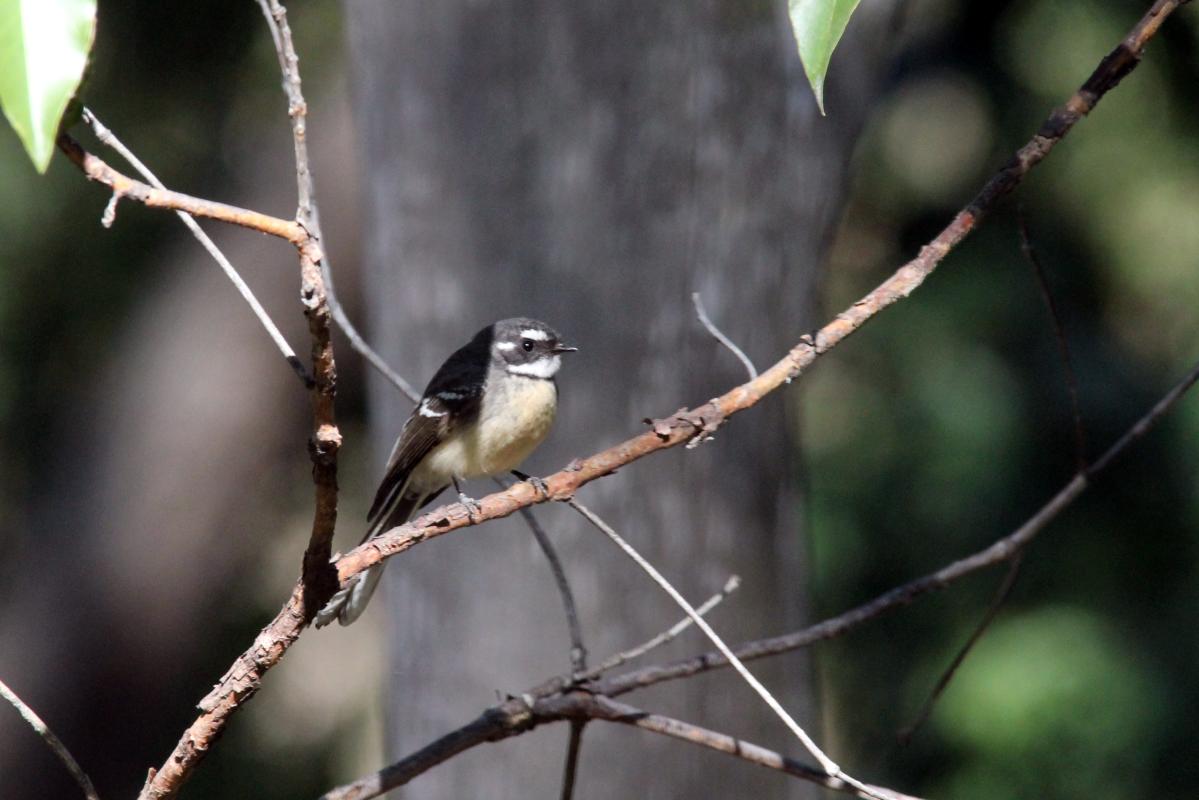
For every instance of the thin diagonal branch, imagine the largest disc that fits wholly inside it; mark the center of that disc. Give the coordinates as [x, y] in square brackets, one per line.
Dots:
[359, 345]
[623, 657]
[578, 650]
[826, 763]
[110, 139]
[519, 715]
[53, 742]
[1063, 344]
[1001, 595]
[720, 337]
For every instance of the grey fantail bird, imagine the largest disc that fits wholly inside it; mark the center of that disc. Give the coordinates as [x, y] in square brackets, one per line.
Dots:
[487, 408]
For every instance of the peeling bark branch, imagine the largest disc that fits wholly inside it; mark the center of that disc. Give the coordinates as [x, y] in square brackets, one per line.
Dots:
[318, 580]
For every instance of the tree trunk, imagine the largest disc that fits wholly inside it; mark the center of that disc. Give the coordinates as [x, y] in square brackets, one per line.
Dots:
[592, 164]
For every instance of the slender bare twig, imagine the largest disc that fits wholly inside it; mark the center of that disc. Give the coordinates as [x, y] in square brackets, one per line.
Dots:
[1063, 344]
[826, 763]
[359, 345]
[519, 715]
[52, 741]
[720, 337]
[107, 137]
[578, 650]
[625, 656]
[570, 768]
[1001, 595]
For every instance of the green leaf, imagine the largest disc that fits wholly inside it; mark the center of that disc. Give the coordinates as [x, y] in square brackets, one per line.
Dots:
[44, 46]
[818, 26]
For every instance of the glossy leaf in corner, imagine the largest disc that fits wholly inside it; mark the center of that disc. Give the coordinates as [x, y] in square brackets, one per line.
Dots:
[44, 45]
[818, 26]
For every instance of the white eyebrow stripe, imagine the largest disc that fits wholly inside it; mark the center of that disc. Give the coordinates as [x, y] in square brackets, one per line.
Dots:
[541, 368]
[506, 345]
[535, 333]
[425, 412]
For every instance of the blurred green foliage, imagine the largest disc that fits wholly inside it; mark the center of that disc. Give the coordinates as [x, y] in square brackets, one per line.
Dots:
[946, 422]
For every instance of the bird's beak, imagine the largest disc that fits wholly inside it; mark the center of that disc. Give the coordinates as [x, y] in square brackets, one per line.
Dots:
[564, 348]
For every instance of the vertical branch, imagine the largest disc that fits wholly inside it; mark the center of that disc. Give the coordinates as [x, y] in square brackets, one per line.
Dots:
[319, 577]
[307, 214]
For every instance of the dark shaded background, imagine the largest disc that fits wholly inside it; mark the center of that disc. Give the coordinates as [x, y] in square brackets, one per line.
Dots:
[938, 428]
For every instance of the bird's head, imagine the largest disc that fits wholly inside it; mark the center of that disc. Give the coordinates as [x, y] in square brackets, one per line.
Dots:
[527, 347]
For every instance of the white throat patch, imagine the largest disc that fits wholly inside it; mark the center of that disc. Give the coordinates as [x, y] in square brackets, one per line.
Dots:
[544, 367]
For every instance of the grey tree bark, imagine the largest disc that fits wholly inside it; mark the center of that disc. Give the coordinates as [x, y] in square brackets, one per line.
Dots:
[592, 164]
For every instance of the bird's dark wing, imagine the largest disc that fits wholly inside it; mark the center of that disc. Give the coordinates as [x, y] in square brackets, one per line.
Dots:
[451, 400]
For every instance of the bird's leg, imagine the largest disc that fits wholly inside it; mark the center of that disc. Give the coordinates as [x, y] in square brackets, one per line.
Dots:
[536, 483]
[472, 507]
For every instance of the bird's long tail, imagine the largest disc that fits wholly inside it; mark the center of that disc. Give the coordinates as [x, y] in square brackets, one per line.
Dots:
[350, 601]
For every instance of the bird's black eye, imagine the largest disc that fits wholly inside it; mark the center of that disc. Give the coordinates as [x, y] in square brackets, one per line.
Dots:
[527, 344]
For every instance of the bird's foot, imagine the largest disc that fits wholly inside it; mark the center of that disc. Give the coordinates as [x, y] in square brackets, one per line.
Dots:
[537, 483]
[473, 510]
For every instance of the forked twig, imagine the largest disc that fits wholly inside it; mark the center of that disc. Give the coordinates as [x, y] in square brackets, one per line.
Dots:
[625, 656]
[107, 137]
[826, 763]
[1001, 595]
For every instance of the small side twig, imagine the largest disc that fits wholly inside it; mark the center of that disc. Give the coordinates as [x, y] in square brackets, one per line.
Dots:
[826, 763]
[1063, 344]
[107, 137]
[720, 337]
[52, 741]
[358, 344]
[625, 656]
[997, 602]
